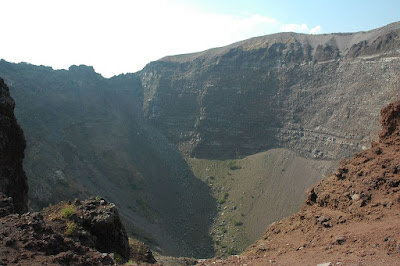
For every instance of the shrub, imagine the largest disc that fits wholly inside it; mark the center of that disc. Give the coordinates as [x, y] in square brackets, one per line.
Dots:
[118, 258]
[71, 228]
[232, 251]
[224, 198]
[233, 166]
[67, 212]
[237, 223]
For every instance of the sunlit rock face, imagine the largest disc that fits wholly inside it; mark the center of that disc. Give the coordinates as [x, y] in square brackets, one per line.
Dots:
[318, 95]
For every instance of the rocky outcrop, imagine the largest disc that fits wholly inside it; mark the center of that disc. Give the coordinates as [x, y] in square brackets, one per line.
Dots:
[13, 182]
[79, 233]
[349, 218]
[6, 205]
[28, 239]
[388, 43]
[390, 122]
[140, 252]
[102, 220]
[96, 225]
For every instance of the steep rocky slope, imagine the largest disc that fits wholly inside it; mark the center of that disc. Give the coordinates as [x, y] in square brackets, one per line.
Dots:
[13, 182]
[130, 138]
[86, 137]
[352, 217]
[80, 234]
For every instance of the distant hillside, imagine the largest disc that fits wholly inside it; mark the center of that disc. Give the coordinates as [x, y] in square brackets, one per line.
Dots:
[140, 139]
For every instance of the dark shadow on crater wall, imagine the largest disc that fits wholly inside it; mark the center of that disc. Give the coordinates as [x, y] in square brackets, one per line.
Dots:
[87, 137]
[180, 202]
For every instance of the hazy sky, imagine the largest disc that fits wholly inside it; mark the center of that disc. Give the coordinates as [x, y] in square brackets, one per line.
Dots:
[122, 36]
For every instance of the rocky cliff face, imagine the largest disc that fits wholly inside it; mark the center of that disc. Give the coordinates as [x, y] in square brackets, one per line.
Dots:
[316, 95]
[13, 182]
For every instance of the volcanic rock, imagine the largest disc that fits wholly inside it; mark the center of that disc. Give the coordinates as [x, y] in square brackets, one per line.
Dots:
[89, 233]
[28, 239]
[13, 181]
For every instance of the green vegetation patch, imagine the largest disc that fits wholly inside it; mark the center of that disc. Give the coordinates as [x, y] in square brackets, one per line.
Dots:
[233, 251]
[67, 212]
[237, 223]
[233, 165]
[118, 258]
[224, 198]
[71, 228]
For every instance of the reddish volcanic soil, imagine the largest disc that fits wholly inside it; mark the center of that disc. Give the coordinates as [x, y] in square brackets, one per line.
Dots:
[350, 218]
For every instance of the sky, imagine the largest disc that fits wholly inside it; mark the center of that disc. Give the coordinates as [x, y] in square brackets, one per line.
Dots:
[122, 36]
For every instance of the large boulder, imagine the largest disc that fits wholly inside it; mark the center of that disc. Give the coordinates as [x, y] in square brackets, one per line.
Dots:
[102, 220]
[29, 239]
[95, 223]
